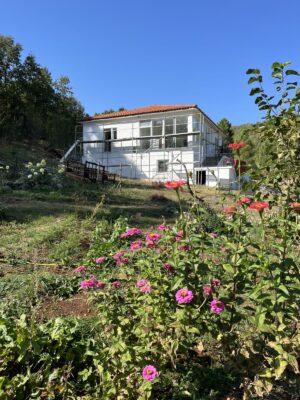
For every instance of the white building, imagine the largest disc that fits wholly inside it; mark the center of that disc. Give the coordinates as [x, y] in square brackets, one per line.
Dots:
[153, 142]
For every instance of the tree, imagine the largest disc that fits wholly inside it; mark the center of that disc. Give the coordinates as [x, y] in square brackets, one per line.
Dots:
[32, 104]
[226, 127]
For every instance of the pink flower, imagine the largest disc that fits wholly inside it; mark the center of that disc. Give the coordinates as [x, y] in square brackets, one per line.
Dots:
[207, 291]
[215, 282]
[116, 284]
[145, 289]
[162, 227]
[230, 210]
[82, 268]
[100, 260]
[88, 283]
[138, 244]
[214, 235]
[152, 237]
[179, 235]
[149, 372]
[185, 247]
[100, 285]
[174, 184]
[168, 267]
[142, 283]
[243, 200]
[122, 261]
[118, 255]
[217, 306]
[131, 232]
[184, 296]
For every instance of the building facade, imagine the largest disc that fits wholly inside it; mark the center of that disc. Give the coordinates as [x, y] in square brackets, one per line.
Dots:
[154, 142]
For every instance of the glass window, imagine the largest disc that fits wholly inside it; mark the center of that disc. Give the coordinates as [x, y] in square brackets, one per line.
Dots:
[145, 130]
[114, 133]
[181, 124]
[169, 126]
[157, 126]
[107, 138]
[181, 141]
[162, 166]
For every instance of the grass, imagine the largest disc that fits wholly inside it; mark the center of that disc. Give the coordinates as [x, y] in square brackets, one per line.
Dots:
[56, 226]
[44, 234]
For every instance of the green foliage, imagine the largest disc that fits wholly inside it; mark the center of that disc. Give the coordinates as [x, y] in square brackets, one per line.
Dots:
[226, 127]
[247, 349]
[32, 104]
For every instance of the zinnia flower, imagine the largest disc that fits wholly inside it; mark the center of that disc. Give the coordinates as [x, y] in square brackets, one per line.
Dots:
[152, 237]
[162, 227]
[216, 282]
[168, 267]
[296, 206]
[243, 200]
[118, 255]
[88, 283]
[145, 289]
[217, 306]
[207, 290]
[100, 260]
[100, 285]
[82, 268]
[184, 247]
[214, 235]
[123, 260]
[179, 235]
[259, 206]
[142, 282]
[149, 372]
[184, 296]
[236, 146]
[174, 184]
[116, 284]
[138, 244]
[130, 232]
[230, 210]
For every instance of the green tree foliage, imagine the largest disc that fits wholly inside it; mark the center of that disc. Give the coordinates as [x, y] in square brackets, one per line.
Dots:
[226, 127]
[33, 106]
[111, 110]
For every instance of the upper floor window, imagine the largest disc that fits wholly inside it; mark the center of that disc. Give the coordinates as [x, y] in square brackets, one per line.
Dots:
[181, 124]
[176, 125]
[151, 128]
[109, 134]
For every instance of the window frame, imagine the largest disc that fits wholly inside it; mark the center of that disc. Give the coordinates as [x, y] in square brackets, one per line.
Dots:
[165, 163]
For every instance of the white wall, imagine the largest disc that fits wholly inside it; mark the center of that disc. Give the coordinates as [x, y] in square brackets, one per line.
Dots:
[142, 164]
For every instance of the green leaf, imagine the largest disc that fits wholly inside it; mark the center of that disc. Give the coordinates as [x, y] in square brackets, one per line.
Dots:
[255, 91]
[252, 71]
[292, 72]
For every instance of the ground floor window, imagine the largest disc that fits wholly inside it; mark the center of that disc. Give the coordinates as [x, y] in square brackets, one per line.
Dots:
[162, 166]
[201, 177]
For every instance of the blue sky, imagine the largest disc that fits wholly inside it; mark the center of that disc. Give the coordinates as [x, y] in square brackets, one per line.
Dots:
[137, 53]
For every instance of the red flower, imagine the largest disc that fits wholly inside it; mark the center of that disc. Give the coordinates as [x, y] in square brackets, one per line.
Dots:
[259, 206]
[236, 146]
[174, 184]
[296, 206]
[230, 210]
[243, 200]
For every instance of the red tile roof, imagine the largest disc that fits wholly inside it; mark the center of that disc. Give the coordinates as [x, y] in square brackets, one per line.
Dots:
[142, 110]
